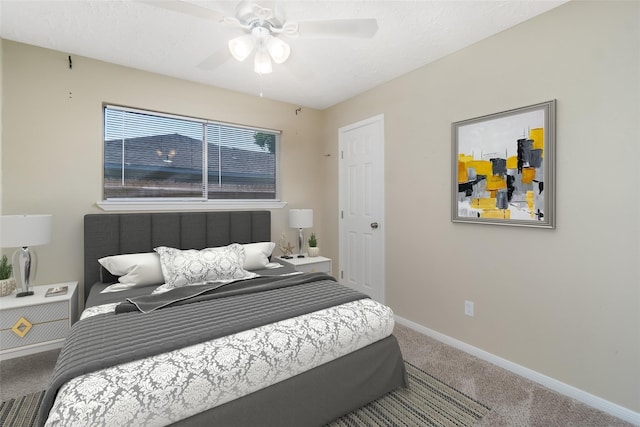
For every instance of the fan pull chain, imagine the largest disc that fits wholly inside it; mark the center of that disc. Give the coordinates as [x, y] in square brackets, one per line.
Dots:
[260, 77]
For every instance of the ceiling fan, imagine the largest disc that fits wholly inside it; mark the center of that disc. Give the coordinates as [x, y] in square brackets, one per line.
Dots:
[264, 22]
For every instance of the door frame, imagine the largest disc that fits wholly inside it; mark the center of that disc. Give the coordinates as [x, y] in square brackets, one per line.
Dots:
[341, 194]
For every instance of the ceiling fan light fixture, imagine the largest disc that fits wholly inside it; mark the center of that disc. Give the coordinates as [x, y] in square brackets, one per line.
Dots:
[262, 64]
[278, 49]
[241, 47]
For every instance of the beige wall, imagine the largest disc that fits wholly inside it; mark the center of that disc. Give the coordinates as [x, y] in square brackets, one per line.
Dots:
[579, 322]
[52, 140]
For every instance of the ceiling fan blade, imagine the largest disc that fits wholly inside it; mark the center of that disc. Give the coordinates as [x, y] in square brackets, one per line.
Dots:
[216, 59]
[364, 28]
[186, 8]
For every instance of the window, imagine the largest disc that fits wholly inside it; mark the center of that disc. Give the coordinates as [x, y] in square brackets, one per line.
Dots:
[153, 156]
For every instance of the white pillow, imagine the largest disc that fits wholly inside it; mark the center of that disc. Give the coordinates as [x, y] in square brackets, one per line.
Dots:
[135, 269]
[185, 267]
[257, 255]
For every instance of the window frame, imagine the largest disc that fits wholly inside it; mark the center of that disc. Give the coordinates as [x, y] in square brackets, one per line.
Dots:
[188, 203]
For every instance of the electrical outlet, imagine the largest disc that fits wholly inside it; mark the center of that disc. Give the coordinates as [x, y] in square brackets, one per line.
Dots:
[468, 308]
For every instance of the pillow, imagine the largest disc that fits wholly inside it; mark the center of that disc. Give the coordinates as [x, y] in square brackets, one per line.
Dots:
[185, 267]
[257, 255]
[135, 269]
[106, 277]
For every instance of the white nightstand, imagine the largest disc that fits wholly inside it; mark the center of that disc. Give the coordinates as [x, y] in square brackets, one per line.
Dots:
[36, 323]
[308, 264]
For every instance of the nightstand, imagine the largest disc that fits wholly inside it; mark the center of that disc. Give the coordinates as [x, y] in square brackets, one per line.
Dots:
[36, 323]
[308, 264]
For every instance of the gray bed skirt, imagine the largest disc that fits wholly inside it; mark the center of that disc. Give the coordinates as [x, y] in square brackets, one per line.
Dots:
[315, 397]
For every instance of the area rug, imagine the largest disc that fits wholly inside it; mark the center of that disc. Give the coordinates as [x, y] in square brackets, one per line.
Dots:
[21, 411]
[426, 402]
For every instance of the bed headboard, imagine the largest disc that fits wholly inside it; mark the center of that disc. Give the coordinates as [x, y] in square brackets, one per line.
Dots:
[113, 234]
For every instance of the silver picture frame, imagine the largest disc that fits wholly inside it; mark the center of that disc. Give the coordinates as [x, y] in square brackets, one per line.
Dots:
[503, 167]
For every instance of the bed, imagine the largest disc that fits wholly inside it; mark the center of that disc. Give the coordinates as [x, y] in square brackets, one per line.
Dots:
[266, 346]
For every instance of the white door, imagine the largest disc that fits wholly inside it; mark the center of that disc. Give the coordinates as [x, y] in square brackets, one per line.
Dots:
[361, 194]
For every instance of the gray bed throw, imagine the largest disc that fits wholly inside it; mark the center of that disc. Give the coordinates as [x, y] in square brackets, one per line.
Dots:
[106, 340]
[196, 293]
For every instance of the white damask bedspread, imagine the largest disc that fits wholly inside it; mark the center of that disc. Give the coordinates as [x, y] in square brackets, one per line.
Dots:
[172, 386]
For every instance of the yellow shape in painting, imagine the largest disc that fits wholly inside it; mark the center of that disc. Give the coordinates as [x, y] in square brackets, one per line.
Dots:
[463, 176]
[529, 197]
[537, 134]
[482, 167]
[512, 162]
[22, 327]
[528, 175]
[495, 182]
[484, 203]
[464, 158]
[496, 214]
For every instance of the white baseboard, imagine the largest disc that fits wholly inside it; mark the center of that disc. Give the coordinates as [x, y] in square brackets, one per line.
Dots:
[548, 382]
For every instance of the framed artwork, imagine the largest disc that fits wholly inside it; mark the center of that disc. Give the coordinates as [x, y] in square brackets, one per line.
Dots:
[503, 168]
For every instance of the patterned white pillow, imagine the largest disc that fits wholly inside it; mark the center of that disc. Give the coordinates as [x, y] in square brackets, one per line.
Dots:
[188, 267]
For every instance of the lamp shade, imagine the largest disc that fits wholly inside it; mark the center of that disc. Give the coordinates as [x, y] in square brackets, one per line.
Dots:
[25, 230]
[241, 47]
[278, 49]
[262, 62]
[301, 218]
[267, 48]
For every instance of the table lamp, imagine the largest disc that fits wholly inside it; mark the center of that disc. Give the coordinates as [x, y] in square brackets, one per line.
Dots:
[300, 219]
[22, 231]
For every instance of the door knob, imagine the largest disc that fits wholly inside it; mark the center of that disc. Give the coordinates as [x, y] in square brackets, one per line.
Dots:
[374, 225]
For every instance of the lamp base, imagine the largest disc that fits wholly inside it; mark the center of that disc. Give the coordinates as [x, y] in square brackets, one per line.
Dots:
[24, 294]
[24, 266]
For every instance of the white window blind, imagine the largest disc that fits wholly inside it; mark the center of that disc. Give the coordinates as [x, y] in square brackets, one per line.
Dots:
[155, 156]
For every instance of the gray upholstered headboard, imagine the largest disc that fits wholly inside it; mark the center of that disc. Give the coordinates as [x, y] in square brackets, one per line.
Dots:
[113, 234]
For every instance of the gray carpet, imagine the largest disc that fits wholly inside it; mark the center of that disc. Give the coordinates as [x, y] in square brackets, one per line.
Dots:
[426, 402]
[514, 401]
[27, 374]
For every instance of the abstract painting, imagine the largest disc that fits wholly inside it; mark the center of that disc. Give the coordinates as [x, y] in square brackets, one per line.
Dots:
[503, 167]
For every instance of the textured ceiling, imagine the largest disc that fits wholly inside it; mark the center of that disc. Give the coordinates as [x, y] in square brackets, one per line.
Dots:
[320, 72]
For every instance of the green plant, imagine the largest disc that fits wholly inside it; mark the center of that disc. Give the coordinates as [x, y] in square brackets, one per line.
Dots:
[5, 268]
[312, 241]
